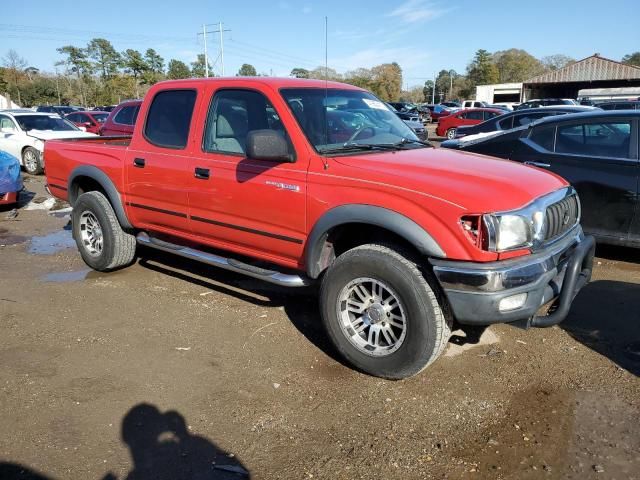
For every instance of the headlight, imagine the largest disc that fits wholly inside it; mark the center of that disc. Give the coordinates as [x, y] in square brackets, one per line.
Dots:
[513, 230]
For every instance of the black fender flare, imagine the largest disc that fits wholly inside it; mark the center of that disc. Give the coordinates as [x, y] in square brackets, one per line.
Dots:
[107, 185]
[372, 215]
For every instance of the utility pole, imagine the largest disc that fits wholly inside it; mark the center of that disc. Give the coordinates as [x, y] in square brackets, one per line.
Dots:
[204, 37]
[433, 90]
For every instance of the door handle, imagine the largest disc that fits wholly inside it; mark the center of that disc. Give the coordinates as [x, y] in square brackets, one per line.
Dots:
[138, 162]
[538, 164]
[202, 173]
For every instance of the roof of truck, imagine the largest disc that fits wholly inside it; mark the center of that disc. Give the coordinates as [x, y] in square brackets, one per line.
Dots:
[274, 82]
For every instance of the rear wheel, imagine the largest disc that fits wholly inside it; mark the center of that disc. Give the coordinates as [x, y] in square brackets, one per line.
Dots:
[31, 161]
[381, 313]
[451, 133]
[102, 242]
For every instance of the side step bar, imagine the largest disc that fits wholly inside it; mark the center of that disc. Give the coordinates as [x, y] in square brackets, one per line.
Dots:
[271, 276]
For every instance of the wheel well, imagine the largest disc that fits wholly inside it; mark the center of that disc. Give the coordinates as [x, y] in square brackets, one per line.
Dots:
[350, 235]
[84, 184]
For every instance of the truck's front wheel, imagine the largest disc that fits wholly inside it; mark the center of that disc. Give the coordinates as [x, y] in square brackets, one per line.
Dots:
[102, 242]
[381, 313]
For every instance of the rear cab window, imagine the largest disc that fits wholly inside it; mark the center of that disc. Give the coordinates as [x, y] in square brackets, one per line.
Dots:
[169, 118]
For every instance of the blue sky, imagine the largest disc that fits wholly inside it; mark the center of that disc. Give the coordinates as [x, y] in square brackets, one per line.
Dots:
[423, 36]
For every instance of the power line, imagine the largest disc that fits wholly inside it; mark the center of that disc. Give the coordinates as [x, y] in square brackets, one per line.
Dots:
[221, 55]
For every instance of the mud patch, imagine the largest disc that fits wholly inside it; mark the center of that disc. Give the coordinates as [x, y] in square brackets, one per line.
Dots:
[51, 243]
[65, 277]
[7, 239]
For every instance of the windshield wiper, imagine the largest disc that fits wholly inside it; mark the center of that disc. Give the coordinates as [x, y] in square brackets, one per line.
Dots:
[406, 141]
[350, 146]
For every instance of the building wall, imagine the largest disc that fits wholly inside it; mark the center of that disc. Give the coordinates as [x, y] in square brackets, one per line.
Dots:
[500, 92]
[6, 103]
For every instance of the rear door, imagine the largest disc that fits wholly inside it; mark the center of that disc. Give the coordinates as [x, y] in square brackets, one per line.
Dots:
[158, 171]
[599, 157]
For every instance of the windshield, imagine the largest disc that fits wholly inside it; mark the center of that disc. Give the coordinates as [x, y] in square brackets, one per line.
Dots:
[43, 122]
[335, 119]
[100, 117]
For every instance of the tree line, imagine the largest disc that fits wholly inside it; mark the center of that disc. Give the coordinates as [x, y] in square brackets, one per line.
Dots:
[98, 74]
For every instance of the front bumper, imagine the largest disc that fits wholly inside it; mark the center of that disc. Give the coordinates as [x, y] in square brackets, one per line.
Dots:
[475, 290]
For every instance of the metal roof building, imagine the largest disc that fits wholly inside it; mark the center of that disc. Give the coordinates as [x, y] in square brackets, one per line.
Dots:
[592, 72]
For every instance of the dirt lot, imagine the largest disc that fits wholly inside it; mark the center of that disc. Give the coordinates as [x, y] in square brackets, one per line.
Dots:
[169, 370]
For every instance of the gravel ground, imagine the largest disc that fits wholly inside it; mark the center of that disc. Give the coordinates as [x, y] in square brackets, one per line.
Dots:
[170, 370]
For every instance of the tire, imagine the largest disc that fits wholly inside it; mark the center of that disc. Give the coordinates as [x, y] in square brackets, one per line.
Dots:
[103, 244]
[31, 161]
[451, 133]
[427, 327]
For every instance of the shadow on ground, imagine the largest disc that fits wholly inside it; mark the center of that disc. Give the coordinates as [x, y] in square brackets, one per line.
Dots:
[161, 449]
[605, 316]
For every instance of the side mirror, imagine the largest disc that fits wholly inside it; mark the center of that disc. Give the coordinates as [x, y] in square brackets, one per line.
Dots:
[268, 145]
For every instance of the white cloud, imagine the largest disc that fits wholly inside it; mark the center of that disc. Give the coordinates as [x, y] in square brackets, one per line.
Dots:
[406, 57]
[413, 11]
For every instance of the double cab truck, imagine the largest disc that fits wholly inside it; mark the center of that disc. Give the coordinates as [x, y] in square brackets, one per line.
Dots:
[304, 182]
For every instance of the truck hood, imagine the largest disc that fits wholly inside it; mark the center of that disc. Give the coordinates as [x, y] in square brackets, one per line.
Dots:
[475, 183]
[53, 135]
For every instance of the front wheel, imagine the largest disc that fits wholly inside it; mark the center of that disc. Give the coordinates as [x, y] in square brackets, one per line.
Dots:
[103, 244]
[451, 133]
[381, 313]
[31, 161]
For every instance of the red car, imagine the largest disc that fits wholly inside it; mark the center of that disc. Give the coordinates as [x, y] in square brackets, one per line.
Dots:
[121, 120]
[252, 175]
[469, 116]
[91, 121]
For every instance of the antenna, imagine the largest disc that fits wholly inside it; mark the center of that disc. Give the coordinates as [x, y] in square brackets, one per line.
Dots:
[326, 86]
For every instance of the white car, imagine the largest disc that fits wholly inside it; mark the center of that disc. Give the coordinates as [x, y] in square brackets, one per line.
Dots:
[22, 134]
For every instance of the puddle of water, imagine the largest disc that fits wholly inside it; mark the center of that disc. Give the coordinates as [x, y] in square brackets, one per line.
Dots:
[7, 239]
[65, 277]
[52, 243]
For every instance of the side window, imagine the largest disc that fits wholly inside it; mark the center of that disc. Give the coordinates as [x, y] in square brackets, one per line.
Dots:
[73, 118]
[506, 123]
[5, 122]
[489, 115]
[475, 116]
[607, 106]
[169, 118]
[603, 139]
[232, 115]
[543, 136]
[527, 118]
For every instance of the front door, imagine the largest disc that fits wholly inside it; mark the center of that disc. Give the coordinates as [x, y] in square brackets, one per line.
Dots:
[243, 204]
[157, 164]
[11, 138]
[599, 157]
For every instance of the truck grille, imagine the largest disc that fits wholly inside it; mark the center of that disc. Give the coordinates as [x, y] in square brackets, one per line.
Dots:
[561, 217]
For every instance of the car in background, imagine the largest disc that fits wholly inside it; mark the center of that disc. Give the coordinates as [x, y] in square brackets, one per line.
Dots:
[596, 151]
[439, 111]
[517, 119]
[58, 109]
[507, 105]
[448, 125]
[103, 108]
[545, 102]
[626, 105]
[121, 120]
[23, 135]
[473, 104]
[10, 179]
[451, 104]
[90, 121]
[412, 109]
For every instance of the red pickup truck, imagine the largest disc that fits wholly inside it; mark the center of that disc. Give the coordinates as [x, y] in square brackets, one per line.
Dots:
[301, 182]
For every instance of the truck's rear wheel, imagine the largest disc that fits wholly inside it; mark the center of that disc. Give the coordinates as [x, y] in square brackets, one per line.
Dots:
[102, 243]
[381, 313]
